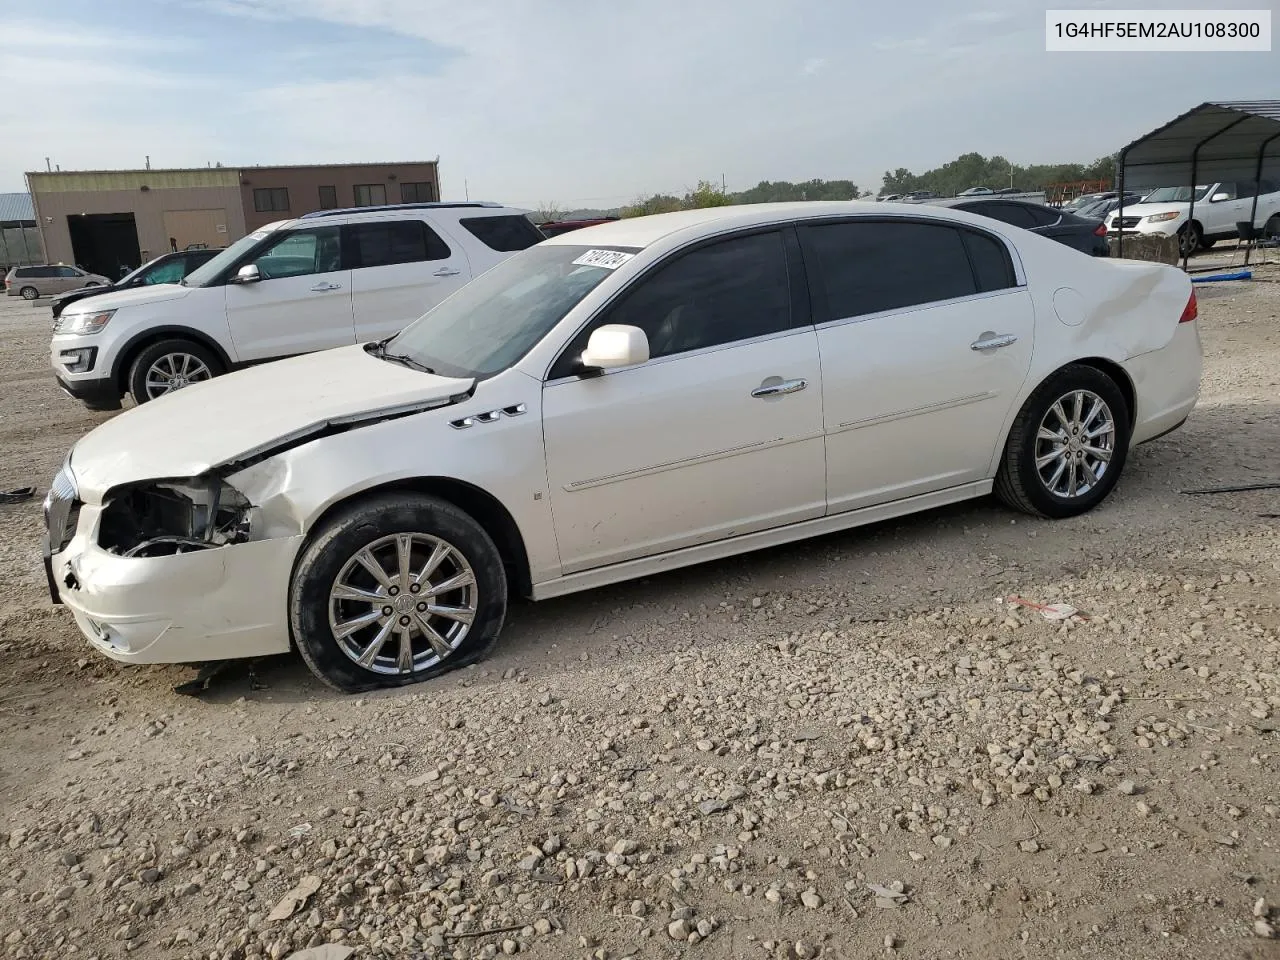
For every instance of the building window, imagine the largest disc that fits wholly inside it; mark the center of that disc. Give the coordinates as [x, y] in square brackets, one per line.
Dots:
[271, 199]
[417, 192]
[371, 194]
[328, 198]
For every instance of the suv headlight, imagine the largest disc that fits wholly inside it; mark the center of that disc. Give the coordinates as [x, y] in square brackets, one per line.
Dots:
[83, 324]
[1162, 217]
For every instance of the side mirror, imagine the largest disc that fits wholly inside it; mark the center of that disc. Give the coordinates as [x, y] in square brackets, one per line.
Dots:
[247, 274]
[1219, 197]
[615, 345]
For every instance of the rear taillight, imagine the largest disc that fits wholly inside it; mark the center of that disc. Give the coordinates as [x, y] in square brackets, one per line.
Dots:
[1190, 311]
[1100, 230]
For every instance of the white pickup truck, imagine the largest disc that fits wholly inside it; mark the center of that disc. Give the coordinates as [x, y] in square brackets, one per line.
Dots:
[1218, 208]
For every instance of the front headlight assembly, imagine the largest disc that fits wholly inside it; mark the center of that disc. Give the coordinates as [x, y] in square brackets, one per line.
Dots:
[163, 517]
[83, 324]
[1162, 217]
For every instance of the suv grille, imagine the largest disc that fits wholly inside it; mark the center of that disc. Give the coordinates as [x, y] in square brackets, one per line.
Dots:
[1126, 223]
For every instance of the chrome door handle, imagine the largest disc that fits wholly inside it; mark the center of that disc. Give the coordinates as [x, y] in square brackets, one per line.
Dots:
[323, 287]
[991, 341]
[778, 387]
[446, 272]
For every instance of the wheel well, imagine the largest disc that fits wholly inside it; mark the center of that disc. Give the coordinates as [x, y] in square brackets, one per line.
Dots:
[131, 351]
[480, 505]
[1120, 378]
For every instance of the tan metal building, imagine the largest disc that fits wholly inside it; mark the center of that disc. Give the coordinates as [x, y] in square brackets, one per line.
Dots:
[110, 220]
[278, 193]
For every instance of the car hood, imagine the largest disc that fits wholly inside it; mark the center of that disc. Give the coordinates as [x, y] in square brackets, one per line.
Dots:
[1147, 209]
[156, 293]
[247, 416]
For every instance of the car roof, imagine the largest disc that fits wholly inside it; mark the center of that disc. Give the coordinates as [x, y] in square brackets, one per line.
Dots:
[708, 221]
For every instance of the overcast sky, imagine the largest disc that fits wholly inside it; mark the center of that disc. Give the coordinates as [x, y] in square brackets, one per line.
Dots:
[581, 102]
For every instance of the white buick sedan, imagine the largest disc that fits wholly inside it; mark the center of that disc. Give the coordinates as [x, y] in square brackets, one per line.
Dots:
[618, 401]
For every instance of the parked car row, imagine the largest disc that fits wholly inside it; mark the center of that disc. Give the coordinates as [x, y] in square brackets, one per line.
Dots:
[1219, 209]
[44, 280]
[377, 505]
[1087, 236]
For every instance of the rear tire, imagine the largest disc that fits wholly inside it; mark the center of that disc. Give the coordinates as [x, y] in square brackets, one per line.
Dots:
[395, 590]
[176, 363]
[1062, 460]
[29, 293]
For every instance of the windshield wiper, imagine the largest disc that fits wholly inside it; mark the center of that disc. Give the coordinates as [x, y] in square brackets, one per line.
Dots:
[379, 350]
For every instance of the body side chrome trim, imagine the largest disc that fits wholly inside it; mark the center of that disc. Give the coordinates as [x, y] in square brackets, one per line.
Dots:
[914, 411]
[775, 536]
[687, 462]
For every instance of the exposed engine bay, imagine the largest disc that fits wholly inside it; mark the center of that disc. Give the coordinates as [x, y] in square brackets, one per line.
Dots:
[162, 518]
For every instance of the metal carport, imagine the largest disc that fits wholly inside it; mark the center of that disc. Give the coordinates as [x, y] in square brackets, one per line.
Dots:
[1230, 141]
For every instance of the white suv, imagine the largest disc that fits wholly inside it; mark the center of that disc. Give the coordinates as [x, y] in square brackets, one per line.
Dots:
[1218, 208]
[327, 279]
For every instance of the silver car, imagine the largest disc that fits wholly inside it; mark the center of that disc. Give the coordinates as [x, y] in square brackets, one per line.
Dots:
[44, 280]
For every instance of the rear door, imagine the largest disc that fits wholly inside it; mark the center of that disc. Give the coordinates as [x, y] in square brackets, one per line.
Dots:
[400, 269]
[925, 335]
[301, 304]
[62, 279]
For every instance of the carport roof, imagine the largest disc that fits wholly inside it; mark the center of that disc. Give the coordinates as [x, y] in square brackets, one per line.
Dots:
[1224, 139]
[16, 206]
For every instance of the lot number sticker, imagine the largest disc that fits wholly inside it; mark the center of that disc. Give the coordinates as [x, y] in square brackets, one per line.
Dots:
[608, 259]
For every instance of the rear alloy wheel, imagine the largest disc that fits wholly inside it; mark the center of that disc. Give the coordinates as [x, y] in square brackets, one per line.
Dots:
[168, 366]
[1067, 446]
[396, 590]
[29, 293]
[1189, 239]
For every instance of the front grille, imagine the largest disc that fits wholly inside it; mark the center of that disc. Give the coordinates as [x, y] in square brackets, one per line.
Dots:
[1128, 223]
[62, 509]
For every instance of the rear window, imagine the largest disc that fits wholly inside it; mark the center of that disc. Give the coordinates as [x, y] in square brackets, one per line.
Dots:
[505, 234]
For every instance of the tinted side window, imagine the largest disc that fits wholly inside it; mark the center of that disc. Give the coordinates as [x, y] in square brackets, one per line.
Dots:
[394, 241]
[69, 273]
[299, 253]
[992, 268]
[1013, 214]
[170, 272]
[505, 234]
[869, 266]
[732, 290]
[1041, 216]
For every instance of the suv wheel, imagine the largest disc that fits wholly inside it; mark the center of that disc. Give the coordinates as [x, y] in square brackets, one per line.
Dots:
[170, 365]
[30, 293]
[394, 590]
[1189, 239]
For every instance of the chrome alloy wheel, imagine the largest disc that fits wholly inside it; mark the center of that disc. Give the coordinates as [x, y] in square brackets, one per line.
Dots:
[1075, 444]
[414, 586]
[173, 371]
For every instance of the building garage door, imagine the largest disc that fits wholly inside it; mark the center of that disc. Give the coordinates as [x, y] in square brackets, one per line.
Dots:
[185, 228]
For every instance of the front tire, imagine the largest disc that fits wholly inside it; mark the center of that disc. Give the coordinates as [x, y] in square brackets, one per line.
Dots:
[170, 365]
[1190, 238]
[395, 590]
[1067, 446]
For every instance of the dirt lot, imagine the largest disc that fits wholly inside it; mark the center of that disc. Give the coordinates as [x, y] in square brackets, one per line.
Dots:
[717, 762]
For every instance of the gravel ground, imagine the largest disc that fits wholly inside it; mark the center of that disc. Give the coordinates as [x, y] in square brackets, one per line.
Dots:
[845, 748]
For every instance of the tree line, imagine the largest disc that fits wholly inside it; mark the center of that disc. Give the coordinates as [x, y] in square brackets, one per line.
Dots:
[967, 170]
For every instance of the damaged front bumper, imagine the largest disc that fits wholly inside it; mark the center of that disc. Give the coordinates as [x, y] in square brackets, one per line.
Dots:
[216, 604]
[168, 572]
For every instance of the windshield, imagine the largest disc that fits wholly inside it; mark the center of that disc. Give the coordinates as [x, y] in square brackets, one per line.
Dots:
[1174, 195]
[496, 319]
[203, 276]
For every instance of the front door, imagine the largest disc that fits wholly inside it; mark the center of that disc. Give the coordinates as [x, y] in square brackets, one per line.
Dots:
[301, 304]
[400, 270]
[719, 434]
[926, 340]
